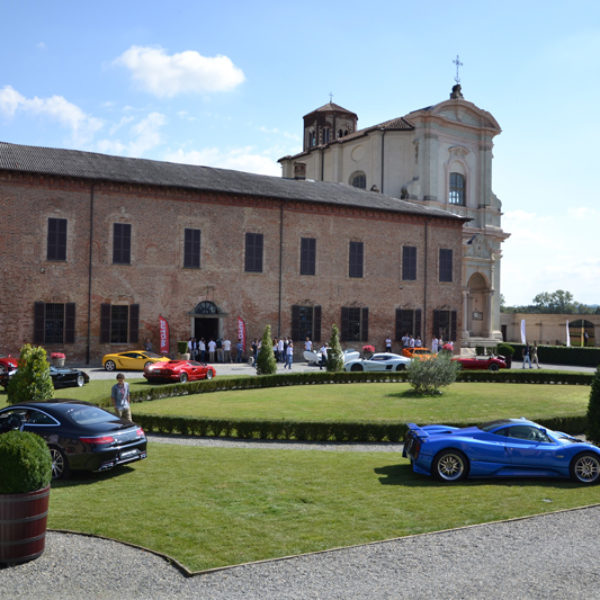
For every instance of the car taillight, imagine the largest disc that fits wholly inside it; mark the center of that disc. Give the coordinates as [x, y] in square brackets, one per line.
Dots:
[416, 448]
[140, 432]
[102, 439]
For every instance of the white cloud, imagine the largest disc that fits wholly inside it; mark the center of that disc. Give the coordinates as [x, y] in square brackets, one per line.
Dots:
[239, 159]
[169, 75]
[82, 126]
[142, 136]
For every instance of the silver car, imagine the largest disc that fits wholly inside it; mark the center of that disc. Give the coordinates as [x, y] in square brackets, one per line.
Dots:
[380, 361]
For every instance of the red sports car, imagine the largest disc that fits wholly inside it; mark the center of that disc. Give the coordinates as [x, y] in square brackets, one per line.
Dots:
[492, 363]
[8, 363]
[178, 370]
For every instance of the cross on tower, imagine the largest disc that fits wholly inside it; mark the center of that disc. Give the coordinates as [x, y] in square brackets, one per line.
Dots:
[458, 64]
[330, 97]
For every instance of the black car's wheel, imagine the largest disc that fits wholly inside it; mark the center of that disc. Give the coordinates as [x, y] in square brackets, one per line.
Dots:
[493, 367]
[450, 465]
[60, 464]
[585, 468]
[183, 378]
[400, 367]
[109, 365]
[209, 374]
[356, 367]
[80, 380]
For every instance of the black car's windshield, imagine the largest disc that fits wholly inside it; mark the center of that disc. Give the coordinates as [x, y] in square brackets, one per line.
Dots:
[88, 415]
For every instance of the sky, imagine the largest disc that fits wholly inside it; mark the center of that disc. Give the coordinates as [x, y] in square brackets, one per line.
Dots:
[226, 84]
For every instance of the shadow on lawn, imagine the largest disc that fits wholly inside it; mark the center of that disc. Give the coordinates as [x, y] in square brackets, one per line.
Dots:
[90, 478]
[403, 475]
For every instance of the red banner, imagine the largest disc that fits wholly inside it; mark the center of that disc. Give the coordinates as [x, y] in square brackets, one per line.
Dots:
[163, 327]
[241, 328]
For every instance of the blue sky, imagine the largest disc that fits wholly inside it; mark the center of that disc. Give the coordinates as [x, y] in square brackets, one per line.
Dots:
[227, 84]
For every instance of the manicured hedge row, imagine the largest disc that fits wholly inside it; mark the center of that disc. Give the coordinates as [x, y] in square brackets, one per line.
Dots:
[310, 431]
[156, 392]
[274, 430]
[563, 355]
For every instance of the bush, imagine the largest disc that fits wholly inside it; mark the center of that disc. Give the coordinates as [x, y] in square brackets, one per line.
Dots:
[265, 361]
[504, 349]
[428, 375]
[593, 412]
[335, 356]
[25, 463]
[32, 381]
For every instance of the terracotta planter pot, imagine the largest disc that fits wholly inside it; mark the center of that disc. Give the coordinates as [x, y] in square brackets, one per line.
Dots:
[23, 525]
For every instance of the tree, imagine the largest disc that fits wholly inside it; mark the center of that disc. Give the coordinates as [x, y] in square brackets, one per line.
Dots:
[335, 355]
[426, 376]
[593, 411]
[265, 361]
[32, 381]
[560, 302]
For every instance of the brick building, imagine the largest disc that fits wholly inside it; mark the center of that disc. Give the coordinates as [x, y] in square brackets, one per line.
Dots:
[96, 247]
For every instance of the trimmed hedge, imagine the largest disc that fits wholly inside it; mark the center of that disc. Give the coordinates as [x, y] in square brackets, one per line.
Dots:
[157, 392]
[576, 356]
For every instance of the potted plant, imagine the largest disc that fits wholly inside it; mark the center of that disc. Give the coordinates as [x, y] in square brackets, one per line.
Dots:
[182, 349]
[25, 475]
[58, 359]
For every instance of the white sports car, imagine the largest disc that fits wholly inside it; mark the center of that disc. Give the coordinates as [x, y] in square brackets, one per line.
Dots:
[313, 357]
[380, 361]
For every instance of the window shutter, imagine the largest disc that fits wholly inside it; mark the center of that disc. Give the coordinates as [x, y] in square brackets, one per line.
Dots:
[364, 328]
[453, 325]
[418, 322]
[104, 323]
[317, 324]
[134, 323]
[70, 323]
[39, 309]
[345, 332]
[296, 333]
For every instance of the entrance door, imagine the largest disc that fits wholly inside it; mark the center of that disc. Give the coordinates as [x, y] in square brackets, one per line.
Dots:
[207, 328]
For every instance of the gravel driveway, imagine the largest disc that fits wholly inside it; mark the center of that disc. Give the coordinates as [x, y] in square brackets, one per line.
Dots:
[549, 556]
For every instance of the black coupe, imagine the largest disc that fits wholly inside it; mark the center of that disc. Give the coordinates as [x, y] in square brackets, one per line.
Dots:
[80, 436]
[61, 377]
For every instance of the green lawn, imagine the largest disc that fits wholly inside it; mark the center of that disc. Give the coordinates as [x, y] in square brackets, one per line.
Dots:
[208, 507]
[379, 402]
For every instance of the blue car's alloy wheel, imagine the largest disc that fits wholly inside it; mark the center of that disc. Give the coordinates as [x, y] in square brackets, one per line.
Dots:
[585, 468]
[450, 465]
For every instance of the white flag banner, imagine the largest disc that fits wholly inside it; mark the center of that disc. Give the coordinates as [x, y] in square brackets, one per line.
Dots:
[523, 332]
[568, 335]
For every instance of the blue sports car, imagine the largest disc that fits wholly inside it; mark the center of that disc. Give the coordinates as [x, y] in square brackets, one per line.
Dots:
[505, 448]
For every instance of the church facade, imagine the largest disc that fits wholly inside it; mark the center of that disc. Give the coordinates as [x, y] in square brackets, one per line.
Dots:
[439, 156]
[99, 250]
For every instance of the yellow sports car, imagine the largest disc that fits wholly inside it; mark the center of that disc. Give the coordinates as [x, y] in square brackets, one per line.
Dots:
[132, 360]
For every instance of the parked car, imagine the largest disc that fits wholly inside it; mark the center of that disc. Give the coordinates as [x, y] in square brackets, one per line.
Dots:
[504, 448]
[313, 357]
[8, 363]
[492, 363]
[132, 360]
[61, 377]
[178, 370]
[416, 352]
[80, 436]
[380, 361]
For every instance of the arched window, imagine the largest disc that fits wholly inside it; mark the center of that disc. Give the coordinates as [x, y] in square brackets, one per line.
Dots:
[359, 180]
[457, 193]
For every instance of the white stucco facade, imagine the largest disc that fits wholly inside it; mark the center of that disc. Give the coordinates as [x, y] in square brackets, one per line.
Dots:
[441, 156]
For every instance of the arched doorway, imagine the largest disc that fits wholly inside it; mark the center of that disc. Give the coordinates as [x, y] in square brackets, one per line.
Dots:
[581, 333]
[478, 306]
[207, 321]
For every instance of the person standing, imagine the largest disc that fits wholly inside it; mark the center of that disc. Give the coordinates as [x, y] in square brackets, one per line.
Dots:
[227, 350]
[239, 348]
[534, 355]
[289, 355]
[434, 345]
[212, 346]
[388, 343]
[120, 398]
[323, 361]
[526, 356]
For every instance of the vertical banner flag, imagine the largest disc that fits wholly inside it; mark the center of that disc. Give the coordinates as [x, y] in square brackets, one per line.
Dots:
[523, 332]
[163, 328]
[568, 335]
[242, 332]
